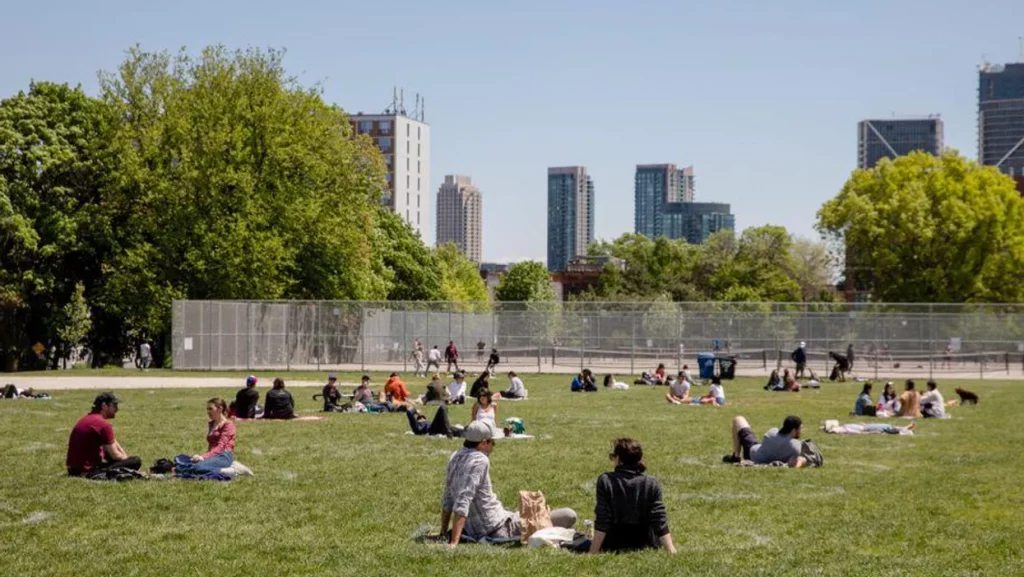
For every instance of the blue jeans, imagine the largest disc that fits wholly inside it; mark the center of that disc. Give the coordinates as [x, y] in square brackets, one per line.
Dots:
[183, 464]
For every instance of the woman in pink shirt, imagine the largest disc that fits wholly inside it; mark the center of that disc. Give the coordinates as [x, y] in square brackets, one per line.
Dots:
[220, 440]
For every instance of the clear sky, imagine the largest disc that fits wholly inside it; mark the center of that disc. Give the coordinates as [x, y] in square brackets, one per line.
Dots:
[761, 97]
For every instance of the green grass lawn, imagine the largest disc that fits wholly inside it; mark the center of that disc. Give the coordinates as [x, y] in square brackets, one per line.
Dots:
[345, 496]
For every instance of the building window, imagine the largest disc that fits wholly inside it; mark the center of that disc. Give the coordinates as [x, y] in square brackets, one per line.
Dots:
[407, 181]
[384, 126]
[418, 167]
[407, 218]
[407, 147]
[407, 130]
[418, 153]
[389, 178]
[407, 163]
[417, 217]
[406, 198]
[417, 184]
[384, 144]
[417, 201]
[365, 126]
[418, 133]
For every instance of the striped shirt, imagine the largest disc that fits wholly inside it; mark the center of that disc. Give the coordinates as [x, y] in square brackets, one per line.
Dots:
[468, 492]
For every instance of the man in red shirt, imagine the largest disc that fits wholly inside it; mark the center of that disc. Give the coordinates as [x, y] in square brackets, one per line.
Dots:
[92, 447]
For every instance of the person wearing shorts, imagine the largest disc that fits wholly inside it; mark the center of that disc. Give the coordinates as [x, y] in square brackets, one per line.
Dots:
[781, 444]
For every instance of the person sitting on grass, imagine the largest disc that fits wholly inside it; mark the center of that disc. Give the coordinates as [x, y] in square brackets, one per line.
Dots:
[395, 390]
[781, 445]
[679, 391]
[888, 404]
[280, 404]
[484, 409]
[933, 406]
[483, 381]
[469, 503]
[583, 382]
[457, 389]
[687, 376]
[630, 514]
[439, 426]
[331, 395]
[247, 399]
[436, 392]
[659, 374]
[363, 393]
[864, 405]
[910, 401]
[220, 444]
[611, 383]
[715, 396]
[516, 389]
[791, 384]
[775, 382]
[92, 448]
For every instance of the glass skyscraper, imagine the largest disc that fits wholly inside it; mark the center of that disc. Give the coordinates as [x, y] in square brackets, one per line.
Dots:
[570, 215]
[878, 139]
[663, 205]
[1001, 118]
[695, 221]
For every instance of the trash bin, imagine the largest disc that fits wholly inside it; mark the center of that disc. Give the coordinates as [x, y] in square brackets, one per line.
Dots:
[727, 368]
[706, 364]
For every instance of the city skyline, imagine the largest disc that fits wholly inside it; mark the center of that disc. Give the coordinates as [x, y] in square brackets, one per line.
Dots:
[765, 118]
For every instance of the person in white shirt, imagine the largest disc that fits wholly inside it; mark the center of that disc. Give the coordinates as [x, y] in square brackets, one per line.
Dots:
[485, 409]
[457, 389]
[610, 382]
[516, 389]
[679, 390]
[145, 356]
[933, 405]
[715, 396]
[434, 359]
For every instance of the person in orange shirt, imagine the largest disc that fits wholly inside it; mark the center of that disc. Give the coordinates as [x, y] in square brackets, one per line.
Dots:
[910, 401]
[396, 389]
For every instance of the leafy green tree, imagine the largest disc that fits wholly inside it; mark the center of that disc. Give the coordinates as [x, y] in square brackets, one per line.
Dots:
[51, 228]
[408, 267]
[460, 277]
[811, 268]
[74, 324]
[525, 281]
[930, 229]
[653, 268]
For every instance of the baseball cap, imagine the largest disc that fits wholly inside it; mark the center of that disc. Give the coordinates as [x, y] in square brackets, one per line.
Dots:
[480, 431]
[251, 380]
[106, 398]
[332, 377]
[802, 344]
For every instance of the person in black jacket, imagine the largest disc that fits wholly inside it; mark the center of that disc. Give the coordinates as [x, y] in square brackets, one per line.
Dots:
[799, 357]
[331, 395]
[280, 404]
[630, 514]
[246, 399]
[493, 360]
[482, 382]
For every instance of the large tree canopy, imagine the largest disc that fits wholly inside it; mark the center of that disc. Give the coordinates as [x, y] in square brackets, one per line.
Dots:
[930, 229]
[527, 281]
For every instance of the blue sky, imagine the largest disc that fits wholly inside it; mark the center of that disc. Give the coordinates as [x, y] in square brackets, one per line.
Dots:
[762, 98]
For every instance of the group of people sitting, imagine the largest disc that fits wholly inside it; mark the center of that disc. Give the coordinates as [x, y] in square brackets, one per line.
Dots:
[788, 382]
[278, 403]
[911, 403]
[94, 452]
[658, 376]
[679, 386]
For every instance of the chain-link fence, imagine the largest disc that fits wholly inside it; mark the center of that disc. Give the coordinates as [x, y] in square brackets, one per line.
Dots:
[623, 337]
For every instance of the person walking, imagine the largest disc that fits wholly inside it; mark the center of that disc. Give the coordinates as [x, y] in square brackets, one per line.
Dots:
[451, 356]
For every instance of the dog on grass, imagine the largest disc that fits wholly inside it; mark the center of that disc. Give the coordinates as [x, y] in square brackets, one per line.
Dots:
[966, 397]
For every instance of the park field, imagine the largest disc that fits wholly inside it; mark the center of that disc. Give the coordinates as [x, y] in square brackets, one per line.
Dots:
[350, 494]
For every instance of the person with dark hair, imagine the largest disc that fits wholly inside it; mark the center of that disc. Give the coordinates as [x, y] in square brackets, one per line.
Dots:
[451, 356]
[482, 382]
[715, 396]
[849, 357]
[493, 360]
[437, 392]
[659, 374]
[630, 514]
[910, 401]
[775, 382]
[777, 445]
[363, 393]
[469, 504]
[799, 357]
[888, 404]
[395, 390]
[457, 389]
[679, 391]
[516, 388]
[611, 383]
[247, 399]
[864, 404]
[433, 359]
[439, 426]
[92, 447]
[220, 444]
[485, 409]
[280, 404]
[933, 405]
[583, 382]
[331, 395]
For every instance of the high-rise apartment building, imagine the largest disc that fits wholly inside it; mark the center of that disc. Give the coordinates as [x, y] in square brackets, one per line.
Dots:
[460, 216]
[570, 215]
[889, 138]
[654, 185]
[404, 140]
[1001, 119]
[695, 221]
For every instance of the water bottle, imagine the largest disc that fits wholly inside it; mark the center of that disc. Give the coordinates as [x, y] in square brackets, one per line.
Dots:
[588, 528]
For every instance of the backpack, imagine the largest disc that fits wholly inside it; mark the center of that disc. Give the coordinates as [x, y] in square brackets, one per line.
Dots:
[812, 453]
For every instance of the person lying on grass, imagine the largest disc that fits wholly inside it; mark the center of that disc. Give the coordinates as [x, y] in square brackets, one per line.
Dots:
[220, 444]
[280, 404]
[715, 396]
[92, 447]
[777, 445]
[468, 502]
[516, 388]
[419, 424]
[867, 428]
[678, 391]
[611, 383]
[630, 514]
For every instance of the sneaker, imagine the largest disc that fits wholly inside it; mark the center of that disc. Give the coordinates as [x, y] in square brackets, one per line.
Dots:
[730, 458]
